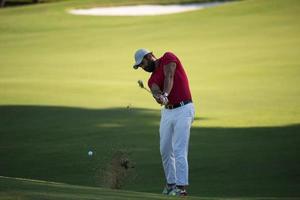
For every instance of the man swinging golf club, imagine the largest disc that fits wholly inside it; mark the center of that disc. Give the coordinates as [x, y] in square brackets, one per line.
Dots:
[169, 86]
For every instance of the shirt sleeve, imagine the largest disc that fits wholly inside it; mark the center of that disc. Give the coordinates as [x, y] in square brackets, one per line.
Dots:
[156, 78]
[150, 82]
[169, 57]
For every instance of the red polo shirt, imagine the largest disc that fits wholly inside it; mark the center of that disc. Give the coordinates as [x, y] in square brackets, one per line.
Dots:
[181, 90]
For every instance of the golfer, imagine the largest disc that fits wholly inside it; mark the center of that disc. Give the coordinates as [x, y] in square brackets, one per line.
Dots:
[169, 85]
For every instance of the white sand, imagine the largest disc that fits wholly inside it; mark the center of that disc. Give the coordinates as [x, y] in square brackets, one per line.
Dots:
[142, 10]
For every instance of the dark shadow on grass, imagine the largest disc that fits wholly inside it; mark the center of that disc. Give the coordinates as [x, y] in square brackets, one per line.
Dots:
[51, 143]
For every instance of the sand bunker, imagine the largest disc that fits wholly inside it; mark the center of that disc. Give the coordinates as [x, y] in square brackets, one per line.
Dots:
[142, 10]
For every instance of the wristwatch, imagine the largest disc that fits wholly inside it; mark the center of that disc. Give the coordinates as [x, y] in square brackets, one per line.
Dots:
[165, 94]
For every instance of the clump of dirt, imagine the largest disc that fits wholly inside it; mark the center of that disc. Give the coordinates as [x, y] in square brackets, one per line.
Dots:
[118, 169]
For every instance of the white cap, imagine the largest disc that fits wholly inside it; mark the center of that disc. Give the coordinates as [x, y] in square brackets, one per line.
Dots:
[139, 55]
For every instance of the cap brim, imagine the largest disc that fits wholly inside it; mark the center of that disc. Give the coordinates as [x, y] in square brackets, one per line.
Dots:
[135, 66]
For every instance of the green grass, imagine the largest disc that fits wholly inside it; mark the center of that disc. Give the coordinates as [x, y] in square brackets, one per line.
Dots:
[23, 189]
[65, 83]
[241, 58]
[51, 143]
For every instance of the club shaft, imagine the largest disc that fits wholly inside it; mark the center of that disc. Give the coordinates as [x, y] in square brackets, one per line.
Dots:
[147, 90]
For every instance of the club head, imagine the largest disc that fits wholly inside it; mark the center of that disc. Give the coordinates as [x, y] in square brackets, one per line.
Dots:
[141, 84]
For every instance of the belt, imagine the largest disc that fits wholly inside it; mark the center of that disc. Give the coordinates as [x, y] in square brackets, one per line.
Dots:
[182, 103]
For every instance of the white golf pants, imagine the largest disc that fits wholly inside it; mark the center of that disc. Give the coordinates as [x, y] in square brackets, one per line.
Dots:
[174, 132]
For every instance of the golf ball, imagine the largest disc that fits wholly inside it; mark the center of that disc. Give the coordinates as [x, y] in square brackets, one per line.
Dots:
[90, 153]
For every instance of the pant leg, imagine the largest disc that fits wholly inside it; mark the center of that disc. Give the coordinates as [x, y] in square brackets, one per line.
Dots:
[166, 148]
[181, 143]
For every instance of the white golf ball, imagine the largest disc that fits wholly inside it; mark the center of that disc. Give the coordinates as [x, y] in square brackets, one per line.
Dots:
[90, 153]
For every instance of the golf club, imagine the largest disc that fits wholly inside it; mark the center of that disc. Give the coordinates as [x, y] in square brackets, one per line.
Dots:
[141, 84]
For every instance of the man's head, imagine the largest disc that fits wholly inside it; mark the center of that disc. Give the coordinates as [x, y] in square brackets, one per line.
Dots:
[144, 59]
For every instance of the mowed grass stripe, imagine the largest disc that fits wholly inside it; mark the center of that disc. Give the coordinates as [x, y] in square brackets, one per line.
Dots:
[36, 189]
[240, 57]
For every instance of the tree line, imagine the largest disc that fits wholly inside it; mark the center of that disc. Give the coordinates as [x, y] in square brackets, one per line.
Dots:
[3, 2]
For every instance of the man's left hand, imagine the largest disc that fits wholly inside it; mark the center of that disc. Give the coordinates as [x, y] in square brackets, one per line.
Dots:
[161, 99]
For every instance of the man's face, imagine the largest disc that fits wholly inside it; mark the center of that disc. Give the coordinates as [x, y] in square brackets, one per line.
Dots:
[148, 63]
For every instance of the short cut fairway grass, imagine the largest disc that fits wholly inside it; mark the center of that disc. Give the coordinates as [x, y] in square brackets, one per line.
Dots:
[23, 189]
[67, 86]
[242, 59]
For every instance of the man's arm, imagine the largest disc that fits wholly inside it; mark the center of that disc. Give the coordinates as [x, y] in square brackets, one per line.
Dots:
[169, 71]
[155, 90]
[157, 94]
[161, 96]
